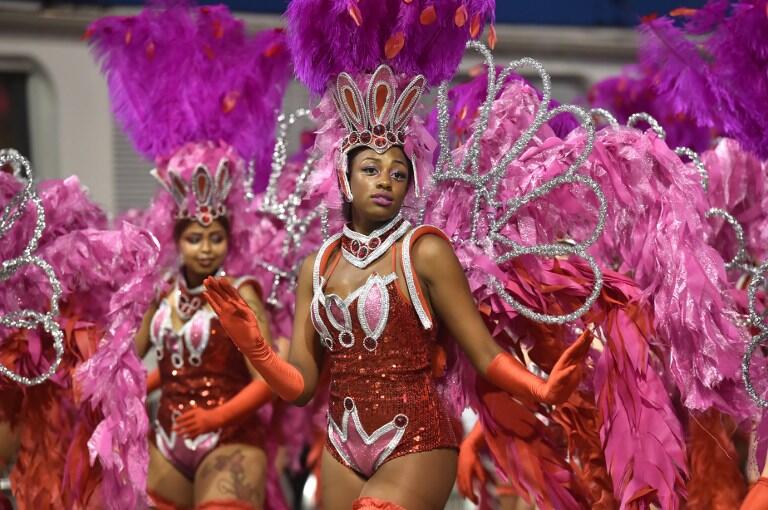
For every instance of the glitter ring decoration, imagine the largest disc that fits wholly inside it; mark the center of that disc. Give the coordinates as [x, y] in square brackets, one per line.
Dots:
[29, 319]
[755, 320]
[487, 185]
[286, 210]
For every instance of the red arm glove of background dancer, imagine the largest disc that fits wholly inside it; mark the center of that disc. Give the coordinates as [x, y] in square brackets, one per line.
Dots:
[508, 374]
[153, 381]
[470, 468]
[240, 323]
[199, 421]
[757, 498]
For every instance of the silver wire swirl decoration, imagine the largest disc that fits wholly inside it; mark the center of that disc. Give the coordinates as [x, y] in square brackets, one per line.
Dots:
[26, 318]
[288, 210]
[486, 185]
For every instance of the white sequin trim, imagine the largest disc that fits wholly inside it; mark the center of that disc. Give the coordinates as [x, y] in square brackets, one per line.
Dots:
[410, 280]
[316, 287]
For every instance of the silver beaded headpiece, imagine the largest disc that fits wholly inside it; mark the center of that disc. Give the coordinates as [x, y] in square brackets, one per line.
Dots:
[203, 197]
[377, 120]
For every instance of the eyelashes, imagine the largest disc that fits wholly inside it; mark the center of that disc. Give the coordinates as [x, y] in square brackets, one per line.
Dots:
[397, 175]
[215, 239]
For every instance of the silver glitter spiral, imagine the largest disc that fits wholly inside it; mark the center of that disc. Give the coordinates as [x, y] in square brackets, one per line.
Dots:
[486, 185]
[286, 210]
[755, 320]
[697, 163]
[250, 175]
[29, 319]
[642, 116]
[739, 260]
[603, 114]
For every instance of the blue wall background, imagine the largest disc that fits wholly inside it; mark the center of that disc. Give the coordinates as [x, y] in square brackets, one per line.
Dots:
[544, 12]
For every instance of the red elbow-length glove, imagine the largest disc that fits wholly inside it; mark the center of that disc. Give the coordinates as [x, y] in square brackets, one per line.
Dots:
[240, 323]
[198, 420]
[508, 374]
[757, 498]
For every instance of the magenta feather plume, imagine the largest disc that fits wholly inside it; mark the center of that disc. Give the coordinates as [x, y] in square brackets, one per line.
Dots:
[181, 74]
[682, 79]
[464, 101]
[632, 91]
[704, 19]
[715, 81]
[425, 37]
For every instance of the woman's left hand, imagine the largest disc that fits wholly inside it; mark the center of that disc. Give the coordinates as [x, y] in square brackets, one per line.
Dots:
[566, 374]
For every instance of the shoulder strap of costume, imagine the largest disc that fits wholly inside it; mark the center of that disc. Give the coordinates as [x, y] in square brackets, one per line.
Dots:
[321, 259]
[418, 300]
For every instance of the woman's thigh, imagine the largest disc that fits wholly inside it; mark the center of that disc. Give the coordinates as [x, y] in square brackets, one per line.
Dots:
[166, 481]
[419, 481]
[339, 485]
[232, 472]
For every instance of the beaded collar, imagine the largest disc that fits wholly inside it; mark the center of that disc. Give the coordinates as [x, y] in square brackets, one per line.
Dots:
[189, 301]
[361, 250]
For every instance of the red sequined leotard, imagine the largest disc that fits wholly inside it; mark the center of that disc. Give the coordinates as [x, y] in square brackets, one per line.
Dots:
[199, 367]
[383, 400]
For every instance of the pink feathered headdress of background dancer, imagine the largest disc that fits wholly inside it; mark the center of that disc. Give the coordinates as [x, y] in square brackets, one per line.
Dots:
[55, 420]
[196, 95]
[371, 61]
[703, 78]
[625, 396]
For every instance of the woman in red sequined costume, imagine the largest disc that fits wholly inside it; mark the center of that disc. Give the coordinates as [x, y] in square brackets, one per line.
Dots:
[196, 94]
[208, 444]
[369, 304]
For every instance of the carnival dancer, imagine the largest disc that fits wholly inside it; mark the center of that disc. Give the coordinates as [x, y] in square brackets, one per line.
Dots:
[369, 302]
[196, 94]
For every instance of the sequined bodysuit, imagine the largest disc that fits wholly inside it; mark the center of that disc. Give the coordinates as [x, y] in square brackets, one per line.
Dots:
[199, 367]
[383, 401]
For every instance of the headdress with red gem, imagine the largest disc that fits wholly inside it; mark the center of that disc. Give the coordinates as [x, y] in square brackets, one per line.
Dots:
[420, 45]
[377, 120]
[201, 198]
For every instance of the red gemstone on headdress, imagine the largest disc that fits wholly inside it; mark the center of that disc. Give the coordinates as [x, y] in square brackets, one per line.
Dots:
[379, 130]
[353, 138]
[380, 142]
[204, 208]
[401, 421]
[206, 219]
[401, 137]
[391, 138]
[365, 137]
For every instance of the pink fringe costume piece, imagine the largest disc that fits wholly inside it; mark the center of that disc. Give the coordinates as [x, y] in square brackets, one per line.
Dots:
[55, 419]
[194, 122]
[627, 371]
